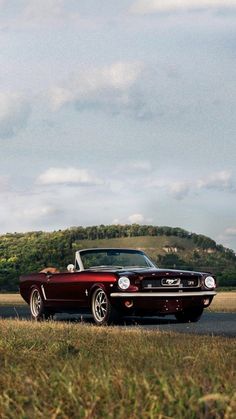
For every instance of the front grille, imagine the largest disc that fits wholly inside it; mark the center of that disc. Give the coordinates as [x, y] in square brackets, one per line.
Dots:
[152, 283]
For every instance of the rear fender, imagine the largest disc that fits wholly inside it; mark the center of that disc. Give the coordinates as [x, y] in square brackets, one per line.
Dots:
[40, 290]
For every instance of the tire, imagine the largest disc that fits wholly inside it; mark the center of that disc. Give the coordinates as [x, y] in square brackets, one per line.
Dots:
[102, 310]
[189, 316]
[37, 308]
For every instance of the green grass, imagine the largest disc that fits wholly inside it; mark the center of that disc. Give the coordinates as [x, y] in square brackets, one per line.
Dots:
[57, 370]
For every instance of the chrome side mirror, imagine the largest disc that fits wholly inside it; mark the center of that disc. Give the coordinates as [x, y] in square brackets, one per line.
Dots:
[71, 267]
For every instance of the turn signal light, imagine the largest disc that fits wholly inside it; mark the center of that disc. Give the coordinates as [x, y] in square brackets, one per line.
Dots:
[129, 303]
[206, 301]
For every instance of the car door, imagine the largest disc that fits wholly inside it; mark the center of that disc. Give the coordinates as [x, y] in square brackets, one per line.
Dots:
[68, 288]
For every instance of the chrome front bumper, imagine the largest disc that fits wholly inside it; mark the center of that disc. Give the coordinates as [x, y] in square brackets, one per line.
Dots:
[163, 294]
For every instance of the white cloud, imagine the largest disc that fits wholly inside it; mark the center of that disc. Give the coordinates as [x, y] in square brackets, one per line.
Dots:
[14, 114]
[179, 190]
[133, 167]
[38, 12]
[40, 9]
[22, 211]
[56, 175]
[36, 212]
[98, 86]
[139, 165]
[4, 183]
[136, 219]
[159, 6]
[132, 219]
[119, 75]
[116, 221]
[221, 180]
[230, 231]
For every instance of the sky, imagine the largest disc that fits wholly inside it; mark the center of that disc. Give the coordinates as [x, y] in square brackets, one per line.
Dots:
[118, 112]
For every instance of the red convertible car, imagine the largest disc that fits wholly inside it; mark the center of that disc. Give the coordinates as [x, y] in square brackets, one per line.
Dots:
[112, 283]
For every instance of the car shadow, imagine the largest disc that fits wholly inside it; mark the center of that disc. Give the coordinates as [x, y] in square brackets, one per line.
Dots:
[127, 321]
[22, 312]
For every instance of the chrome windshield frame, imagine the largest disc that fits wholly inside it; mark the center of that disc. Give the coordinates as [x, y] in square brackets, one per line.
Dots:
[79, 254]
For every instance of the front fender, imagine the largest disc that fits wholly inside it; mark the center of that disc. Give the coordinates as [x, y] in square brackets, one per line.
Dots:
[106, 287]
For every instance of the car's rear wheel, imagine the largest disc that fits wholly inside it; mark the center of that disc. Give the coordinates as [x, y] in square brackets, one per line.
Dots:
[189, 316]
[37, 308]
[102, 310]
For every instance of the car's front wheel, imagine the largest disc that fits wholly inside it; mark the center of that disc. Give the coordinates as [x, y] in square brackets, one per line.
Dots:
[102, 310]
[189, 316]
[37, 308]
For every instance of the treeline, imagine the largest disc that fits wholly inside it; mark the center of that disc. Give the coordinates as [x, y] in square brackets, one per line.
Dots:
[30, 252]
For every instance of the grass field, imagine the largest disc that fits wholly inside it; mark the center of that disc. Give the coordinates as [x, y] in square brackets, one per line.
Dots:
[61, 370]
[11, 299]
[56, 370]
[224, 301]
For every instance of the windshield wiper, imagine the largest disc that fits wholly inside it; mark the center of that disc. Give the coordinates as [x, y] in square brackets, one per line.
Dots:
[137, 267]
[106, 267]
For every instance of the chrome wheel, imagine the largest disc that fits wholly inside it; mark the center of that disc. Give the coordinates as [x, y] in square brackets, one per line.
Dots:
[35, 303]
[100, 305]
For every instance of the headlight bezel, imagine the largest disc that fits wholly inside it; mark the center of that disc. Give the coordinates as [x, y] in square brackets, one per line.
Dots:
[123, 283]
[209, 282]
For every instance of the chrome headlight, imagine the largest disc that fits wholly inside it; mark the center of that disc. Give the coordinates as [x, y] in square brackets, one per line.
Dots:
[209, 282]
[123, 282]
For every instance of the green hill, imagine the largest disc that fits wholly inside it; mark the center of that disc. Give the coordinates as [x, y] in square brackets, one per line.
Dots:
[169, 247]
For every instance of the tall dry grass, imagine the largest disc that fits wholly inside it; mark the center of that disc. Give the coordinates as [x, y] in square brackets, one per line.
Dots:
[224, 301]
[11, 299]
[57, 370]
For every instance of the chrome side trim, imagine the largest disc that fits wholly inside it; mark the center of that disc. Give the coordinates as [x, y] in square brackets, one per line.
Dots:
[163, 294]
[62, 299]
[43, 291]
[173, 288]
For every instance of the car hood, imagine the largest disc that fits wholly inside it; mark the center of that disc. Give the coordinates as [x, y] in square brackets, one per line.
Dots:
[155, 272]
[160, 272]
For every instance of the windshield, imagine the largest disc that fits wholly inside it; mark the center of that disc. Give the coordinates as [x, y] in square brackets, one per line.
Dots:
[115, 258]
